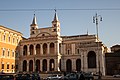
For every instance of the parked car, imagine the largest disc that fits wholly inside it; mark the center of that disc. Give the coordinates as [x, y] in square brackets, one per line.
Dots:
[35, 76]
[89, 76]
[72, 76]
[22, 76]
[7, 77]
[54, 77]
[117, 75]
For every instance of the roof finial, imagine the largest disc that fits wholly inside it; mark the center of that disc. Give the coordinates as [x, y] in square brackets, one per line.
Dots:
[55, 16]
[87, 32]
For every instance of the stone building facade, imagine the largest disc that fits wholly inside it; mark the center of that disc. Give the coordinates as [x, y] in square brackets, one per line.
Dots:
[113, 60]
[9, 42]
[46, 50]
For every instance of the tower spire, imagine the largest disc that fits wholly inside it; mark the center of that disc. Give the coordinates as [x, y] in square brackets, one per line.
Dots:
[55, 16]
[34, 22]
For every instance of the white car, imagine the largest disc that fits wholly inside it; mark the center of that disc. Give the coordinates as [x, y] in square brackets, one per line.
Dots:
[54, 77]
[117, 75]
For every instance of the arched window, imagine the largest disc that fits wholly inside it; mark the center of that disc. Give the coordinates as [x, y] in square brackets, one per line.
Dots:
[37, 49]
[91, 59]
[44, 48]
[78, 65]
[24, 50]
[31, 49]
[44, 63]
[69, 65]
[31, 65]
[24, 65]
[37, 65]
[51, 64]
[52, 48]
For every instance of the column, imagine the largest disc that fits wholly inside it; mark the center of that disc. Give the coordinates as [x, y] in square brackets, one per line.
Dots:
[48, 65]
[20, 66]
[82, 60]
[85, 61]
[41, 48]
[41, 65]
[21, 52]
[28, 52]
[48, 48]
[34, 49]
[56, 47]
[73, 64]
[73, 48]
[27, 65]
[56, 64]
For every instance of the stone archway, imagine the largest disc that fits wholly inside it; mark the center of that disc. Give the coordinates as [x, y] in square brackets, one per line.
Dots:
[78, 65]
[31, 65]
[91, 59]
[38, 65]
[24, 65]
[25, 50]
[68, 65]
[44, 65]
[51, 64]
[31, 48]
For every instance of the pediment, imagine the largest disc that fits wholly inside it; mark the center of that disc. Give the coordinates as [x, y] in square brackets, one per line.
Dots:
[43, 34]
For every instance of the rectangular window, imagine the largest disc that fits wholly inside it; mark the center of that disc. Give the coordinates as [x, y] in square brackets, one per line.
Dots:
[12, 54]
[8, 53]
[12, 66]
[68, 52]
[4, 37]
[7, 66]
[3, 54]
[2, 66]
[9, 38]
[78, 51]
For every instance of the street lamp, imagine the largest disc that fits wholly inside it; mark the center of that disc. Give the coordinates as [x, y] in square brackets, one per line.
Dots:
[97, 18]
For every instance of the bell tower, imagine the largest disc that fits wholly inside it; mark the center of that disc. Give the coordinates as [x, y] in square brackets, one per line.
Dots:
[33, 26]
[56, 24]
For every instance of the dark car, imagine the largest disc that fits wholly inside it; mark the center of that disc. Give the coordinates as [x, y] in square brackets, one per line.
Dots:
[7, 77]
[70, 76]
[89, 76]
[23, 77]
[35, 76]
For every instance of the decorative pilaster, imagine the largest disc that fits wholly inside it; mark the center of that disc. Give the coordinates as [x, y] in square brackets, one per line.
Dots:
[41, 47]
[48, 48]
[27, 66]
[28, 50]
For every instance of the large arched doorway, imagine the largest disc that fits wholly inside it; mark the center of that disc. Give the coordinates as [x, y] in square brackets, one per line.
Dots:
[52, 48]
[31, 65]
[51, 64]
[31, 49]
[68, 65]
[91, 59]
[38, 65]
[78, 65]
[24, 65]
[44, 48]
[37, 49]
[24, 50]
[44, 65]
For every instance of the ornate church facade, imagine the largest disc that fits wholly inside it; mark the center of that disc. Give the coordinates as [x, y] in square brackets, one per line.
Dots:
[46, 50]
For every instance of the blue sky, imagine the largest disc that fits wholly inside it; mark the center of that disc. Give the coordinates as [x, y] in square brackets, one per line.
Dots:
[73, 22]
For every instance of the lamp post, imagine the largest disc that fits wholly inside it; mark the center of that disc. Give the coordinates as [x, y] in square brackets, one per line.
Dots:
[97, 18]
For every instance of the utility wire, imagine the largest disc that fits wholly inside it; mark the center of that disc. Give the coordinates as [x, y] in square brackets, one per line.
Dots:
[105, 9]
